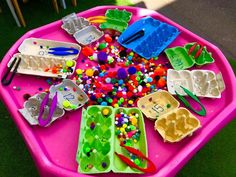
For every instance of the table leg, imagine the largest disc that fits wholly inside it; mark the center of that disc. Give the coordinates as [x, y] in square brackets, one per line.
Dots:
[11, 7]
[18, 11]
[55, 5]
[74, 2]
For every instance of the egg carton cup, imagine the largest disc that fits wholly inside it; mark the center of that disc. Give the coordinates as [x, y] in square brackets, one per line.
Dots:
[176, 125]
[31, 108]
[171, 121]
[180, 60]
[157, 36]
[40, 48]
[72, 23]
[67, 90]
[88, 35]
[98, 142]
[203, 83]
[36, 65]
[116, 19]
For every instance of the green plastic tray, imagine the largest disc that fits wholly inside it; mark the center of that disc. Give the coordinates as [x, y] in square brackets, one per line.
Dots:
[116, 19]
[179, 58]
[104, 142]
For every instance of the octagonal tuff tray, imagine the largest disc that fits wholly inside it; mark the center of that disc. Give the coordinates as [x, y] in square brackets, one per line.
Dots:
[54, 148]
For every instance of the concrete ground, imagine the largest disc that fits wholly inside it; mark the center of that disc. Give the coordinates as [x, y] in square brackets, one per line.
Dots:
[214, 20]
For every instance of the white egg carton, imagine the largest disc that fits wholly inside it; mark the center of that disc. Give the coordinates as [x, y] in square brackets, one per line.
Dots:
[72, 23]
[31, 109]
[40, 47]
[34, 65]
[203, 83]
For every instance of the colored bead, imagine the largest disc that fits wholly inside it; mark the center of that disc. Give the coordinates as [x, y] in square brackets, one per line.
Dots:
[108, 80]
[66, 104]
[130, 102]
[89, 72]
[79, 71]
[105, 112]
[87, 51]
[104, 165]
[137, 161]
[70, 63]
[108, 38]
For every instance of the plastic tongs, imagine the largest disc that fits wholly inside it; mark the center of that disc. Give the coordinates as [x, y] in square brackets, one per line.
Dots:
[97, 19]
[150, 169]
[63, 51]
[133, 37]
[198, 53]
[4, 79]
[44, 122]
[202, 112]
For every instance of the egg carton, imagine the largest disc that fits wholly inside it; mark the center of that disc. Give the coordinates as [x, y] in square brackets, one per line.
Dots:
[180, 59]
[157, 36]
[67, 90]
[116, 19]
[31, 109]
[203, 83]
[98, 142]
[171, 121]
[41, 47]
[72, 23]
[88, 35]
[70, 92]
[41, 66]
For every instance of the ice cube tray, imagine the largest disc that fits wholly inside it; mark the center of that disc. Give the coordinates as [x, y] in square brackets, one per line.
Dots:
[180, 60]
[98, 142]
[172, 122]
[157, 36]
[203, 83]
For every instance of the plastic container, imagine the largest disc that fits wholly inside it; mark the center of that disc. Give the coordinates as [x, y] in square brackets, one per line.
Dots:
[103, 142]
[203, 83]
[180, 59]
[157, 36]
[116, 19]
[54, 148]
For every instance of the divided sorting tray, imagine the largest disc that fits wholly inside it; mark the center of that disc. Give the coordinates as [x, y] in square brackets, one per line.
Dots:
[69, 97]
[54, 148]
[98, 141]
[173, 122]
[116, 19]
[157, 36]
[203, 83]
[179, 58]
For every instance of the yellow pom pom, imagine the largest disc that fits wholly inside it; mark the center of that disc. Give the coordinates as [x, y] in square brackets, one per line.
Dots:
[89, 72]
[70, 63]
[105, 112]
[79, 71]
[66, 104]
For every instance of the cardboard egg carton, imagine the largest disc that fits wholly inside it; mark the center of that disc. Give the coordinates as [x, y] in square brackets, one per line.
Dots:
[172, 122]
[36, 58]
[66, 91]
[203, 83]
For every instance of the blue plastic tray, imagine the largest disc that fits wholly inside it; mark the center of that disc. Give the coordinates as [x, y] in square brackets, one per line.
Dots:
[157, 36]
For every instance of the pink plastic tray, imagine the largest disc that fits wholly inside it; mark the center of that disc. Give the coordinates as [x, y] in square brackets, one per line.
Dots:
[54, 148]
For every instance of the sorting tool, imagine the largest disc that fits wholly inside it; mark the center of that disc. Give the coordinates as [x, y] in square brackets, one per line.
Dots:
[134, 37]
[14, 65]
[45, 121]
[63, 51]
[201, 112]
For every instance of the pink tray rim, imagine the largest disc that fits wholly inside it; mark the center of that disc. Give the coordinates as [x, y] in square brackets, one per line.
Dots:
[48, 168]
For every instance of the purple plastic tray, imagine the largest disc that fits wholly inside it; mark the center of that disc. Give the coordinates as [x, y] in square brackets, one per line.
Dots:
[54, 148]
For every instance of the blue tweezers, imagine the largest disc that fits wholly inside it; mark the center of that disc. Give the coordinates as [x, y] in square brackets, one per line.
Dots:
[63, 51]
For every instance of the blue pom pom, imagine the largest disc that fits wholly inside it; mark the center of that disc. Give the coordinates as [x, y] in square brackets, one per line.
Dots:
[132, 70]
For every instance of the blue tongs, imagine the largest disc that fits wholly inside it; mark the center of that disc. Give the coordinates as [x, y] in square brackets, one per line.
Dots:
[202, 112]
[63, 51]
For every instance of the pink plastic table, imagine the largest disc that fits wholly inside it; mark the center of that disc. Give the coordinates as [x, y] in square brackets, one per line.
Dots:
[54, 148]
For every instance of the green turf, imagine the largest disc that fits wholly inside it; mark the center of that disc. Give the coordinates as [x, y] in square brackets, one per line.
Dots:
[216, 158]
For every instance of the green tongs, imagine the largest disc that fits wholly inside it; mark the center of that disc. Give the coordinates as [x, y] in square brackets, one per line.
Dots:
[202, 112]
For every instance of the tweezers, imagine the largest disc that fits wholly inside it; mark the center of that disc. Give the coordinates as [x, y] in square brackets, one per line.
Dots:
[134, 37]
[4, 79]
[44, 122]
[202, 112]
[63, 51]
[198, 53]
[150, 168]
